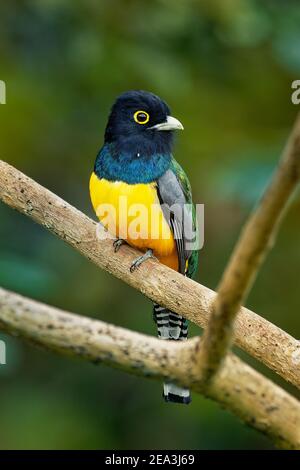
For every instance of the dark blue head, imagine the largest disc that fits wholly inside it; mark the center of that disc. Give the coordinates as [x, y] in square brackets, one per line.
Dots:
[140, 117]
[138, 138]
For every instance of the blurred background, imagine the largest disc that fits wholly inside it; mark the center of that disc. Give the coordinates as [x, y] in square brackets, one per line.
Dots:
[225, 68]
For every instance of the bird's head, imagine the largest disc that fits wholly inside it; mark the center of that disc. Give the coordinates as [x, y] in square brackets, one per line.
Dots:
[141, 117]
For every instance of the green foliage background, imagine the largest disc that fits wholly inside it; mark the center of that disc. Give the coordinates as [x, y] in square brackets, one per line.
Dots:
[225, 68]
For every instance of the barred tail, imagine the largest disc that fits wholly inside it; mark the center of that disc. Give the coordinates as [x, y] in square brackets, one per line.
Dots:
[171, 326]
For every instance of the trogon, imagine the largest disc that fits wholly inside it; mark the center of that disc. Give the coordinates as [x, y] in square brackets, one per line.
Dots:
[143, 197]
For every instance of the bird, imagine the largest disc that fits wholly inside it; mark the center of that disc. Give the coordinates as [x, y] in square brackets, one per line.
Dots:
[135, 168]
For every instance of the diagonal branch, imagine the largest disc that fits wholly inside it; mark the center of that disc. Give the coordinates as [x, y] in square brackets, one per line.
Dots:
[254, 334]
[256, 400]
[255, 242]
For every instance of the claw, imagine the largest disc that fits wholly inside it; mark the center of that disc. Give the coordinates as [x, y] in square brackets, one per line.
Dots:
[141, 259]
[118, 243]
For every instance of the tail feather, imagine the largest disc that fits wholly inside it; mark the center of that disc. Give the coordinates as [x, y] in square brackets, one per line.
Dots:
[176, 394]
[171, 326]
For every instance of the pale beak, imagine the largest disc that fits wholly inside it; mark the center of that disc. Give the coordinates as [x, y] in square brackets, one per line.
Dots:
[171, 124]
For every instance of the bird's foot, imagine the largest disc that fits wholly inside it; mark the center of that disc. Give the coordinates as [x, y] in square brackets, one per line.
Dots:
[141, 259]
[118, 243]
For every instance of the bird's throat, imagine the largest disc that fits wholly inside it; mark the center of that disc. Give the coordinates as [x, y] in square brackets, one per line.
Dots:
[133, 165]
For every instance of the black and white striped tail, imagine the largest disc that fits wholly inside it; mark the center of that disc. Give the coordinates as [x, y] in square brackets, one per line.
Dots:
[171, 326]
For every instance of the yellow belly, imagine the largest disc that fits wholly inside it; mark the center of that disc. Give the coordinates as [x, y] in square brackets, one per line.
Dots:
[133, 213]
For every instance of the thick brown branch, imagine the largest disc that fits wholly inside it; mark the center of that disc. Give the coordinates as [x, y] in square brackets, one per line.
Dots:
[256, 240]
[256, 400]
[257, 336]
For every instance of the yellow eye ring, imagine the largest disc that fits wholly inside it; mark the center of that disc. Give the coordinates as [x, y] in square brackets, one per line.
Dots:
[141, 117]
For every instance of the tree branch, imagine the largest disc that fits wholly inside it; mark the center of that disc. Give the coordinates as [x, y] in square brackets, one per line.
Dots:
[254, 334]
[256, 240]
[256, 400]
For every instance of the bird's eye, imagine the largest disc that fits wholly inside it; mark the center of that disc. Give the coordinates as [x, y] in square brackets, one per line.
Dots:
[141, 117]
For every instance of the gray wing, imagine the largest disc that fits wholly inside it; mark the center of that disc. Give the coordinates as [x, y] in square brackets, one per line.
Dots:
[179, 217]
